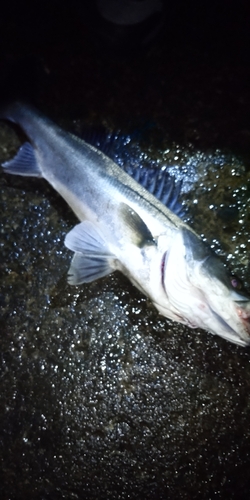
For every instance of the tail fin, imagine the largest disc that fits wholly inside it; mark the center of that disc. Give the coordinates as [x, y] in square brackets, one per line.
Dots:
[24, 163]
[18, 83]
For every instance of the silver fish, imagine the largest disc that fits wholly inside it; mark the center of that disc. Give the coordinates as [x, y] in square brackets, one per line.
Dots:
[124, 227]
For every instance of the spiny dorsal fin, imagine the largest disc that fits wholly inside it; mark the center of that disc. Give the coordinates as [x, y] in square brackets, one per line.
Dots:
[157, 181]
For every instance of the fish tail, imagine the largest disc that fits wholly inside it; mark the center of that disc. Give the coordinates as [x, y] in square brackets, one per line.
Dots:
[24, 163]
[18, 84]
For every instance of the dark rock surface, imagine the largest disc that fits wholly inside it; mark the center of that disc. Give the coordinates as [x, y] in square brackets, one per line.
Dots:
[101, 398]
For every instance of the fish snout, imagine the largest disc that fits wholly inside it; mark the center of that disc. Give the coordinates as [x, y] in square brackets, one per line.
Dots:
[243, 312]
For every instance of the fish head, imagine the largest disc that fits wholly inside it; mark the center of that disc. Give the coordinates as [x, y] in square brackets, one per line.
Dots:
[201, 292]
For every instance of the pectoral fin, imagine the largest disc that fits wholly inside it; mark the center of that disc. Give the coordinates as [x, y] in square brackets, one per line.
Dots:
[92, 258]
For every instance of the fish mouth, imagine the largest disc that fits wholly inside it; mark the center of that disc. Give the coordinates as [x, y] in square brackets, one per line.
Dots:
[244, 314]
[229, 333]
[234, 323]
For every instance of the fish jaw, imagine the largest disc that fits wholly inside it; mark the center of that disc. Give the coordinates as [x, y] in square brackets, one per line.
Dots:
[198, 295]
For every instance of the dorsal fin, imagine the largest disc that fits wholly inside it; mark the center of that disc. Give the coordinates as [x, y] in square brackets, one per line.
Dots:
[162, 185]
[158, 182]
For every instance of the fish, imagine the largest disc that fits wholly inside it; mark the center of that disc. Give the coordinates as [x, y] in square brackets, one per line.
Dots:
[129, 223]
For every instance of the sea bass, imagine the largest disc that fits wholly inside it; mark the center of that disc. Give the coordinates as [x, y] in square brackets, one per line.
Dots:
[125, 227]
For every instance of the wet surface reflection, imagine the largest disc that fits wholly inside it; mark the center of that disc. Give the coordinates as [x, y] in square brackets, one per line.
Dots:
[100, 396]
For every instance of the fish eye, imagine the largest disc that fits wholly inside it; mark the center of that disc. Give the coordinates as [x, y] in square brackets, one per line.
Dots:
[236, 283]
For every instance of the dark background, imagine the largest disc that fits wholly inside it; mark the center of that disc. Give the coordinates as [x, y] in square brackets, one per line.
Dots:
[192, 79]
[101, 398]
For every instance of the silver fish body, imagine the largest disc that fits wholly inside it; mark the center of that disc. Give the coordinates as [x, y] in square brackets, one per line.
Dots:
[124, 227]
